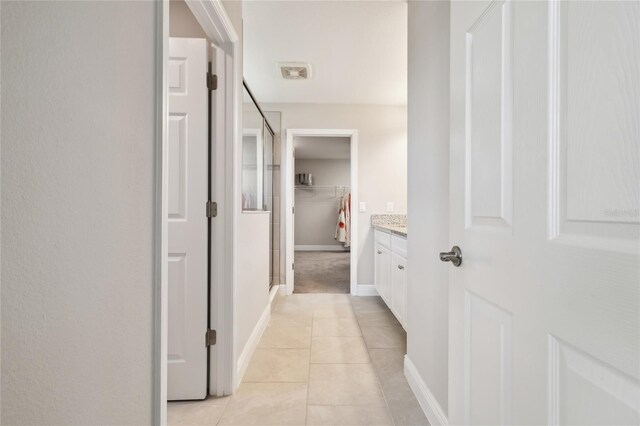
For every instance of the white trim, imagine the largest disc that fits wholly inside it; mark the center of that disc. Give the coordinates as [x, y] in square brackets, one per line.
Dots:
[252, 343]
[219, 355]
[214, 20]
[434, 412]
[366, 290]
[212, 17]
[161, 224]
[287, 176]
[275, 289]
[233, 206]
[216, 24]
[335, 247]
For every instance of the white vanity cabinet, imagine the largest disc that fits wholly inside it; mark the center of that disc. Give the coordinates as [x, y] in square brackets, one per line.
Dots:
[391, 272]
[399, 278]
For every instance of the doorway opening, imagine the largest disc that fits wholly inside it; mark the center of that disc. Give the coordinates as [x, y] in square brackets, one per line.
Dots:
[321, 229]
[322, 225]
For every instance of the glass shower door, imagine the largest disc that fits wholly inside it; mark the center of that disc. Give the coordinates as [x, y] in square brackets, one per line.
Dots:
[268, 191]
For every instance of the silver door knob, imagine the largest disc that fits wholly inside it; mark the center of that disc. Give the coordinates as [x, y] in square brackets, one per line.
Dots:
[454, 256]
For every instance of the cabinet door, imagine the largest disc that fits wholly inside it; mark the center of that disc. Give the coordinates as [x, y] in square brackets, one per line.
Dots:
[383, 272]
[399, 287]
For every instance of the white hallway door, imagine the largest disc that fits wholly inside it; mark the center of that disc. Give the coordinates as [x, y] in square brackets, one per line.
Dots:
[188, 176]
[545, 197]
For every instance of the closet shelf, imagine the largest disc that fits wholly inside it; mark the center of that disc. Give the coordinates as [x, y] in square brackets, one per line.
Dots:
[321, 186]
[337, 189]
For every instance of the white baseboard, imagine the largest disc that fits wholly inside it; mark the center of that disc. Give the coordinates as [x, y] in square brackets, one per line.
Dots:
[366, 290]
[320, 248]
[435, 414]
[273, 292]
[252, 343]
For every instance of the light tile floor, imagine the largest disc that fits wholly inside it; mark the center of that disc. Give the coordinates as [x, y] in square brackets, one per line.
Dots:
[325, 359]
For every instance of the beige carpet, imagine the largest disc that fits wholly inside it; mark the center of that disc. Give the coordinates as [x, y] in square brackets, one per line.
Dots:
[322, 272]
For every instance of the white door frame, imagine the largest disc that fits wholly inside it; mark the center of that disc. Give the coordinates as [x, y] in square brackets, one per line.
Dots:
[289, 196]
[213, 19]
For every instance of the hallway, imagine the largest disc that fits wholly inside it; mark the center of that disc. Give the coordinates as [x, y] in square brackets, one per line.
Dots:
[325, 359]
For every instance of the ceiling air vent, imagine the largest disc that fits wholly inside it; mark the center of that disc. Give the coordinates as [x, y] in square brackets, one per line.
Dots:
[295, 70]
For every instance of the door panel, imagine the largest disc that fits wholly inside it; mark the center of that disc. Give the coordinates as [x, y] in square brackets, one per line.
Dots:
[545, 204]
[488, 129]
[177, 166]
[489, 370]
[592, 209]
[576, 376]
[187, 182]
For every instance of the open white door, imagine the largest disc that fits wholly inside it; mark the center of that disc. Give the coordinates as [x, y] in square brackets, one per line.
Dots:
[545, 202]
[187, 298]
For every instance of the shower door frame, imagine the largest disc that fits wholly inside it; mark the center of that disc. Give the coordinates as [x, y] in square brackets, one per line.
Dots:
[287, 180]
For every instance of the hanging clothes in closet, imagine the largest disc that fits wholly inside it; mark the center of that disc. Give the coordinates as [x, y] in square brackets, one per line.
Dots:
[343, 228]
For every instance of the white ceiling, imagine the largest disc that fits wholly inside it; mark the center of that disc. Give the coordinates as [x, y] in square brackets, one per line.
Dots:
[322, 148]
[357, 50]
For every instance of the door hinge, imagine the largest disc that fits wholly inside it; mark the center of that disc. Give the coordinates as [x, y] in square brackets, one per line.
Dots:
[293, 266]
[293, 210]
[210, 337]
[212, 209]
[212, 81]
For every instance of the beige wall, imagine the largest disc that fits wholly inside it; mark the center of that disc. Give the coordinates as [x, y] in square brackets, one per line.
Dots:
[78, 164]
[182, 23]
[428, 216]
[382, 162]
[317, 210]
[253, 274]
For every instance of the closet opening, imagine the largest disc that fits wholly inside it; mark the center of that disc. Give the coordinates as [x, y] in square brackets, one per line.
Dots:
[322, 226]
[321, 197]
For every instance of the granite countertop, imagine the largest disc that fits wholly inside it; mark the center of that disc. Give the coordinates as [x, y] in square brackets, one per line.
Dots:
[393, 223]
[394, 229]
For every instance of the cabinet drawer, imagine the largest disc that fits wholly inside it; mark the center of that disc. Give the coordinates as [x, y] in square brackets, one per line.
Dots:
[383, 238]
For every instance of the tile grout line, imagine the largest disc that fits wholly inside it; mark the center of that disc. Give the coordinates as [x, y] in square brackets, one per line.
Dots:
[313, 318]
[306, 411]
[226, 406]
[277, 302]
[375, 370]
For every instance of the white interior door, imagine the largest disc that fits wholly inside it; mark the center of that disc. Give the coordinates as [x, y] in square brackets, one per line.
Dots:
[545, 202]
[188, 175]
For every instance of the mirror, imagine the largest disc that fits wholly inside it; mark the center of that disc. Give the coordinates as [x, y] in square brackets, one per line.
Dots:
[257, 158]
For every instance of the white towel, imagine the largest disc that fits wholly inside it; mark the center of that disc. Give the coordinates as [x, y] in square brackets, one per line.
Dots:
[343, 227]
